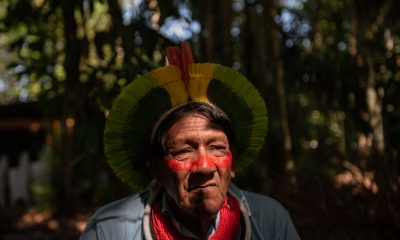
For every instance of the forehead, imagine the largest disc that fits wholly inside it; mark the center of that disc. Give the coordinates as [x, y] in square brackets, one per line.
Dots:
[194, 126]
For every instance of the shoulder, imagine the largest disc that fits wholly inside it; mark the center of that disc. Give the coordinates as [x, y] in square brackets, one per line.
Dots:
[120, 217]
[127, 207]
[261, 203]
[269, 219]
[257, 204]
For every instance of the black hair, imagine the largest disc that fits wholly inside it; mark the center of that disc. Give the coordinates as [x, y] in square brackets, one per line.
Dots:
[215, 115]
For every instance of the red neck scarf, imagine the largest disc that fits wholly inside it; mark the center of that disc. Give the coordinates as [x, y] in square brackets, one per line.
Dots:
[228, 227]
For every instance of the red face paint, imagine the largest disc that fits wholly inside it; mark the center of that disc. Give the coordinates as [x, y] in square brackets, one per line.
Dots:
[219, 162]
[224, 162]
[176, 165]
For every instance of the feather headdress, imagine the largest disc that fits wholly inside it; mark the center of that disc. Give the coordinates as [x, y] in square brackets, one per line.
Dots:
[143, 102]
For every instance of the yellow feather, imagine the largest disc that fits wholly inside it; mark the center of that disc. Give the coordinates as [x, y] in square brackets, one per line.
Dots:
[169, 78]
[200, 77]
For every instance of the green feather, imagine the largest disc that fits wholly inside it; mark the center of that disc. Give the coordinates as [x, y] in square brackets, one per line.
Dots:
[234, 94]
[128, 129]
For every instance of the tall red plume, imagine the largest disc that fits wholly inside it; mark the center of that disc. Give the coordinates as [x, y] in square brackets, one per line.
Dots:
[181, 58]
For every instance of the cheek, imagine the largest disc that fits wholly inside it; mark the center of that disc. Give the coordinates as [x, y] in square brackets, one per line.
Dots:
[173, 180]
[176, 165]
[224, 162]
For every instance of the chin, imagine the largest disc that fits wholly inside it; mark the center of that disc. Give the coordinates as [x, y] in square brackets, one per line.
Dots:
[207, 208]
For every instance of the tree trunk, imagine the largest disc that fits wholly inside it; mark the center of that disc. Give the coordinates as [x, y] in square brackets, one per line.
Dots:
[126, 35]
[66, 150]
[226, 26]
[209, 26]
[279, 81]
[365, 32]
[374, 105]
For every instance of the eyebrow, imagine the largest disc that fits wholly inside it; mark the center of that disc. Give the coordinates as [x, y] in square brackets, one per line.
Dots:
[183, 141]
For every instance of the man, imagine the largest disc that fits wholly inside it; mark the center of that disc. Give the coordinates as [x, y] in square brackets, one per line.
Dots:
[191, 148]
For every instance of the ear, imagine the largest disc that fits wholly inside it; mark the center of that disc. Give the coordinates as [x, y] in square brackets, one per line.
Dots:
[153, 163]
[233, 174]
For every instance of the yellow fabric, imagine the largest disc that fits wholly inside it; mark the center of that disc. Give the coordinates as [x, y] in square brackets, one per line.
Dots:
[170, 79]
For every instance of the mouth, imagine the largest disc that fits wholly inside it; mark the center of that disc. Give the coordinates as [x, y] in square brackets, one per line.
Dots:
[201, 186]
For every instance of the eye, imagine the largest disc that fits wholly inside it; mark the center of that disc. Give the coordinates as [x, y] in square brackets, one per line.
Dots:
[182, 154]
[218, 150]
[217, 147]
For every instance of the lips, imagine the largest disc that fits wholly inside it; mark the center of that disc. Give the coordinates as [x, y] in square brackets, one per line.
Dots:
[201, 186]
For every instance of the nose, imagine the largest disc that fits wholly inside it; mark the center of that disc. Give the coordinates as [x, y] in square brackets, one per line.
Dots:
[203, 164]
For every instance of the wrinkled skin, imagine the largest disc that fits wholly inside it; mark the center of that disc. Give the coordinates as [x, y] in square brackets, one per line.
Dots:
[196, 170]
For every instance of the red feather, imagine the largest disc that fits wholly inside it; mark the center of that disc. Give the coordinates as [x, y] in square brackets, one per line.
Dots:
[181, 58]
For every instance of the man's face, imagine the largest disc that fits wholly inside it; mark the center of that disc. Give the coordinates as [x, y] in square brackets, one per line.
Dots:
[196, 169]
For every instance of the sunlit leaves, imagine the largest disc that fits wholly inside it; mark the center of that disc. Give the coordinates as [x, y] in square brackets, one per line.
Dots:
[30, 42]
[59, 72]
[3, 9]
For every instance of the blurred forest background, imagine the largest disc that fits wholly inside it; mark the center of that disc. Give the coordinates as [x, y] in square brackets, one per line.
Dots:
[329, 71]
